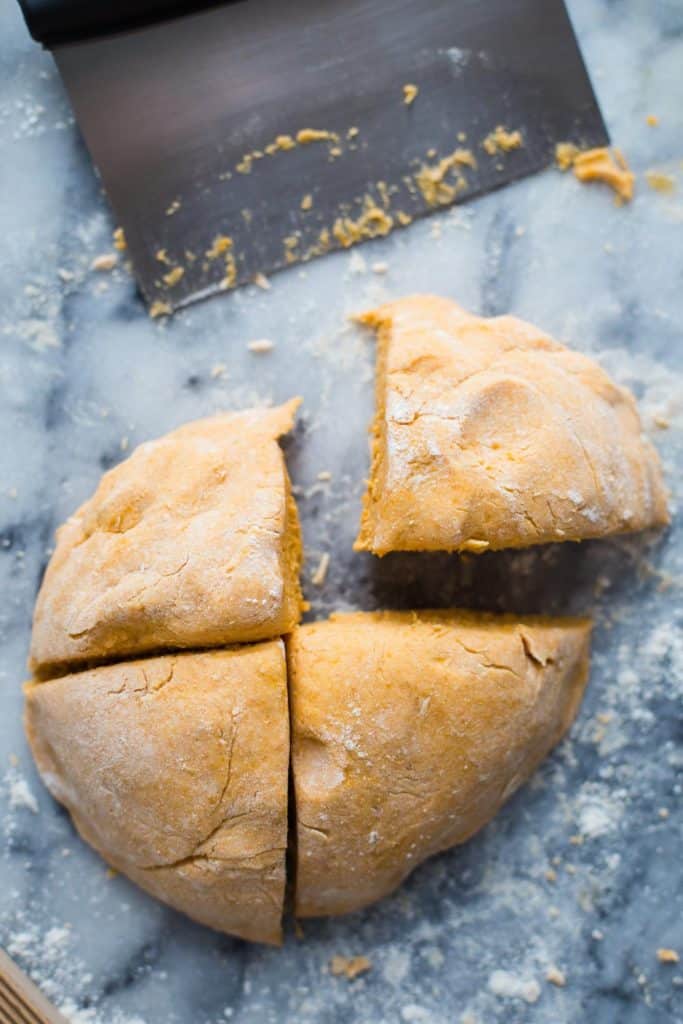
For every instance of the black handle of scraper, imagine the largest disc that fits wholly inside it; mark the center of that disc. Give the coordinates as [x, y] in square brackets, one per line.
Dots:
[55, 22]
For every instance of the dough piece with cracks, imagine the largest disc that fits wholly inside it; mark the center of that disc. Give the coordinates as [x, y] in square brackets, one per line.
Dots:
[490, 434]
[176, 770]
[409, 732]
[191, 542]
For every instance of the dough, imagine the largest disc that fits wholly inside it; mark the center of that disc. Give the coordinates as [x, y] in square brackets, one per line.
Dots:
[192, 542]
[410, 730]
[489, 434]
[176, 770]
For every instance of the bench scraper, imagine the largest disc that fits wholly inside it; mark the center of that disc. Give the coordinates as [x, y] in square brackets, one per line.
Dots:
[236, 138]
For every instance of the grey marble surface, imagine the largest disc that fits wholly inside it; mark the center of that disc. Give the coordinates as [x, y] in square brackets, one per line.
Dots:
[582, 870]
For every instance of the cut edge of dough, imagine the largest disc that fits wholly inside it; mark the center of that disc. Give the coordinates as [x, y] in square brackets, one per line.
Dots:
[467, 616]
[380, 320]
[292, 558]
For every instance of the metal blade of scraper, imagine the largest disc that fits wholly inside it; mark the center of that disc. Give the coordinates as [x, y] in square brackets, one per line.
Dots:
[246, 138]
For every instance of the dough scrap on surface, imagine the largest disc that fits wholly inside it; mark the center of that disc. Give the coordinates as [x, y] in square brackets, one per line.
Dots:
[490, 434]
[409, 732]
[191, 542]
[176, 770]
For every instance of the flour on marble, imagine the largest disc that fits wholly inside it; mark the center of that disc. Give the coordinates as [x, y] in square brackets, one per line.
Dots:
[19, 799]
[20, 794]
[415, 1014]
[513, 986]
[50, 959]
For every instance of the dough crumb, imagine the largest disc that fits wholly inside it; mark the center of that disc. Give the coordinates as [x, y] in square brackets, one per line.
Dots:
[565, 155]
[230, 271]
[173, 277]
[667, 956]
[663, 812]
[284, 142]
[318, 577]
[610, 168]
[556, 977]
[161, 256]
[410, 92]
[324, 474]
[380, 267]
[218, 371]
[307, 135]
[290, 243]
[173, 208]
[350, 966]
[261, 281]
[430, 179]
[221, 244]
[372, 223]
[159, 308]
[500, 140]
[660, 182]
[652, 120]
[261, 345]
[119, 239]
[307, 202]
[510, 986]
[107, 261]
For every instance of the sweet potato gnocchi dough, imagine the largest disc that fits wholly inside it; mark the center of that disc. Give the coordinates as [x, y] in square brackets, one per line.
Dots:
[174, 692]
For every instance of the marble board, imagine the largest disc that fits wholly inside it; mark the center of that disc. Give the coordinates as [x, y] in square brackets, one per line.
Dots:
[582, 870]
